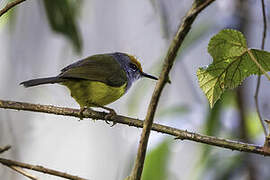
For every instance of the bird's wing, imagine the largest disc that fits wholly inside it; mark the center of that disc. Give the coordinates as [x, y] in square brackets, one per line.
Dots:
[103, 68]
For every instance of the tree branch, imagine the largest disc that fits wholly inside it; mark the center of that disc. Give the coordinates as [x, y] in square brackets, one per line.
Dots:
[9, 6]
[256, 96]
[4, 149]
[24, 173]
[177, 133]
[177, 41]
[11, 163]
[264, 25]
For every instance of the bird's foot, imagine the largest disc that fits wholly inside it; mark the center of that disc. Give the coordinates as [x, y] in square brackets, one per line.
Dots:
[82, 109]
[109, 115]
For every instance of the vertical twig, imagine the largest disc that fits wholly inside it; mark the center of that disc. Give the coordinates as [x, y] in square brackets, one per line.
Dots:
[177, 41]
[259, 77]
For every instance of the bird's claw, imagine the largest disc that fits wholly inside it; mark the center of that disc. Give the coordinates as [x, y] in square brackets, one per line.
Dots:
[107, 116]
[82, 109]
[110, 115]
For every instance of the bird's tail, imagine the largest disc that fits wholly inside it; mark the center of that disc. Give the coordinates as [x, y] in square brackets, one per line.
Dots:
[36, 82]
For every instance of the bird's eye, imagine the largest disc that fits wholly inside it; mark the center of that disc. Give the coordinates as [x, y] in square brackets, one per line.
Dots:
[133, 67]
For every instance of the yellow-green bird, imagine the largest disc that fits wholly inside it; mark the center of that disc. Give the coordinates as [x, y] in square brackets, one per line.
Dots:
[97, 80]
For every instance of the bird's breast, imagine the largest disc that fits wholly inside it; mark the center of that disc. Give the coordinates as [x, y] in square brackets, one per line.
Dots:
[92, 93]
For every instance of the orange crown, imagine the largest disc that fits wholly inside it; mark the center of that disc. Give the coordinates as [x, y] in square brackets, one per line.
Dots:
[135, 61]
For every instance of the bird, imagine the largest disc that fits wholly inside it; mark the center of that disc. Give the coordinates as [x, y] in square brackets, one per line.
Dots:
[97, 80]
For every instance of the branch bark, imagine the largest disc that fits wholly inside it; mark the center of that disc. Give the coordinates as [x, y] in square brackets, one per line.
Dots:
[177, 133]
[11, 163]
[4, 149]
[9, 6]
[22, 172]
[177, 41]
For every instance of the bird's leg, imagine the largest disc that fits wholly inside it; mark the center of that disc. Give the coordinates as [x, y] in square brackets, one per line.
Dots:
[82, 109]
[110, 115]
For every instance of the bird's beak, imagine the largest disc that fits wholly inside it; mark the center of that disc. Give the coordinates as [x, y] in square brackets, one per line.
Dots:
[148, 76]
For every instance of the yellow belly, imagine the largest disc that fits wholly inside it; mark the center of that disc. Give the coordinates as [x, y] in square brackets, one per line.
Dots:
[92, 93]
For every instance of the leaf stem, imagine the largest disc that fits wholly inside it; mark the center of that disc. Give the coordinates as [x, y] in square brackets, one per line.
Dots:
[258, 64]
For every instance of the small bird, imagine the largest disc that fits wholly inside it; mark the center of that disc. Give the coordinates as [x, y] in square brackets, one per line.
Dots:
[97, 80]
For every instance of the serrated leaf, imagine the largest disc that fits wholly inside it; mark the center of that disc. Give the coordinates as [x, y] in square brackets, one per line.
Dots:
[232, 63]
[227, 43]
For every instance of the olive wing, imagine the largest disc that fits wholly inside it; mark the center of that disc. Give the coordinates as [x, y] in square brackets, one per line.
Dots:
[103, 68]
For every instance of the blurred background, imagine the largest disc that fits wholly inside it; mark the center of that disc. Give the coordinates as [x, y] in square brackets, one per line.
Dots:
[38, 38]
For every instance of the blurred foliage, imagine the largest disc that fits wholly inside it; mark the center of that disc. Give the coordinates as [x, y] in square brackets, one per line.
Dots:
[156, 162]
[8, 17]
[254, 127]
[213, 120]
[62, 16]
[226, 169]
[228, 99]
[210, 164]
[212, 126]
[173, 110]
[160, 9]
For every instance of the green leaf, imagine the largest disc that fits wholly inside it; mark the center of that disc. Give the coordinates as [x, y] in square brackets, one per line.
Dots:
[62, 16]
[227, 43]
[156, 162]
[232, 63]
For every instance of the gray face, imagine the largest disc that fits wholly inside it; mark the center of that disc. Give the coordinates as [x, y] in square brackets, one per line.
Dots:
[133, 72]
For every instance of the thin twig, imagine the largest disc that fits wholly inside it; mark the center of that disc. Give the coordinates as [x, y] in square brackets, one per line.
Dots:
[264, 24]
[4, 149]
[256, 96]
[9, 6]
[177, 133]
[177, 41]
[24, 173]
[8, 162]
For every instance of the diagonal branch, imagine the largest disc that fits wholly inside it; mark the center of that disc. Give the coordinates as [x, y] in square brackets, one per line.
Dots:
[22, 172]
[9, 6]
[4, 149]
[177, 41]
[177, 133]
[11, 163]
